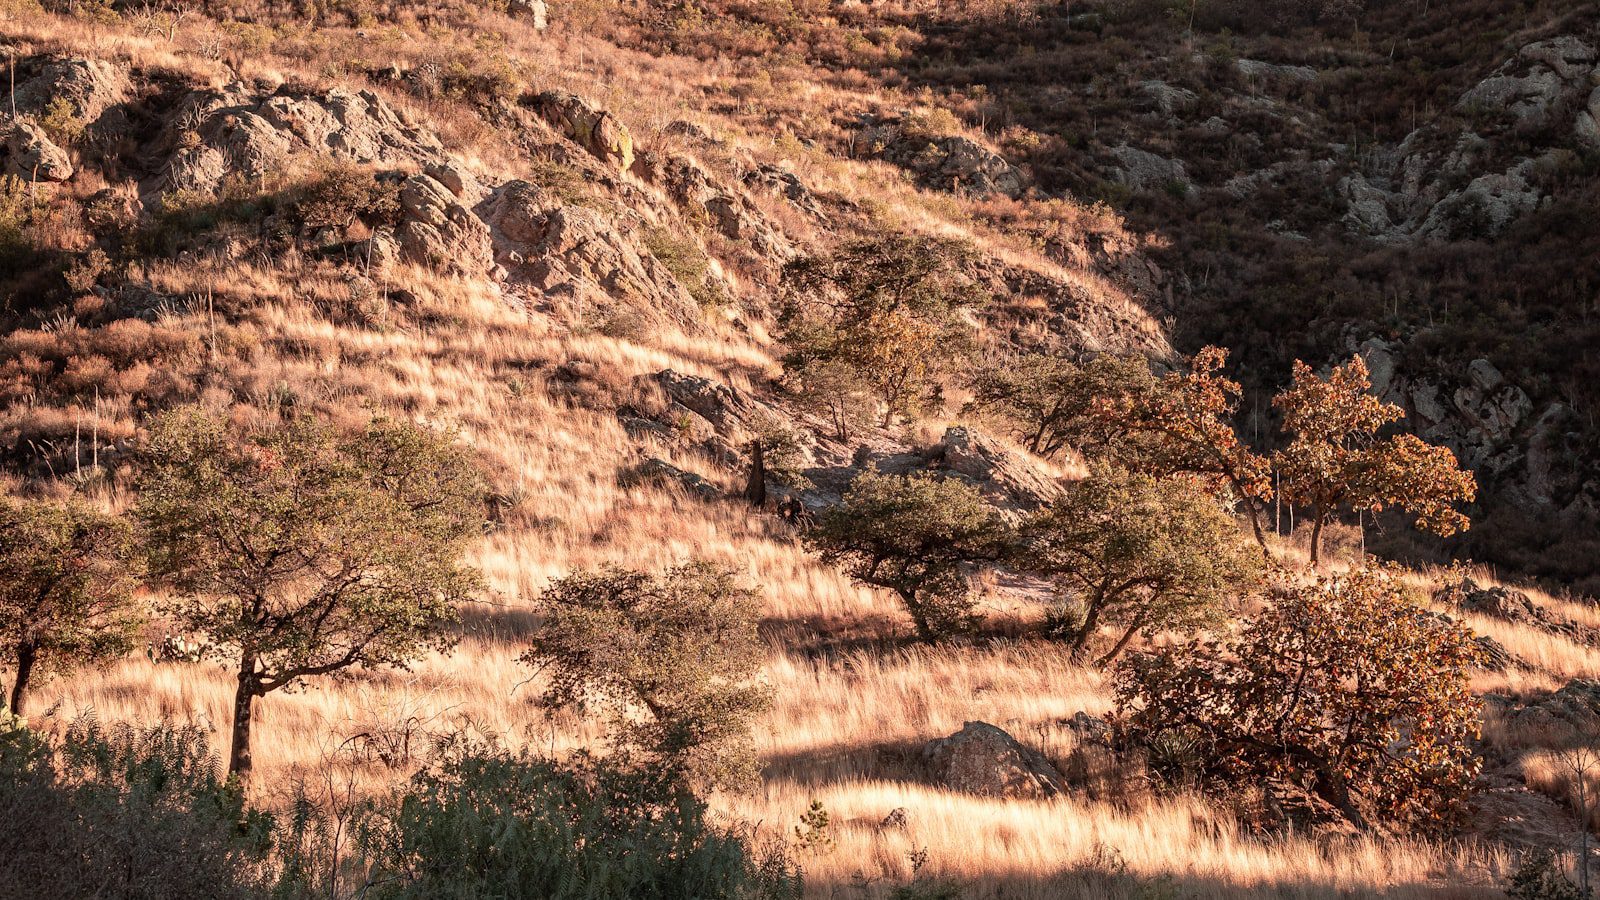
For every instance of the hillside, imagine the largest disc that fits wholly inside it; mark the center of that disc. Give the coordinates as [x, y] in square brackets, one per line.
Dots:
[561, 234]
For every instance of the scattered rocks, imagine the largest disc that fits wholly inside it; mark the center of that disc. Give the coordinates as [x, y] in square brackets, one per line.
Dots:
[983, 759]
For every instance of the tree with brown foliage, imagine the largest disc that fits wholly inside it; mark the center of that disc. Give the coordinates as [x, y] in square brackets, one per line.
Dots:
[1142, 553]
[1183, 424]
[1344, 687]
[879, 317]
[302, 551]
[1336, 458]
[66, 593]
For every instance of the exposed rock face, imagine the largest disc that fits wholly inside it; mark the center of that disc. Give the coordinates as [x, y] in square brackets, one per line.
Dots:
[1144, 170]
[1421, 191]
[1515, 607]
[782, 181]
[948, 162]
[437, 230]
[592, 128]
[582, 256]
[32, 156]
[216, 133]
[983, 759]
[89, 86]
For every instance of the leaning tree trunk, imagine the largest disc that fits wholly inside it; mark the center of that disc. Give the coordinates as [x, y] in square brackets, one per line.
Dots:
[239, 761]
[27, 656]
[1121, 645]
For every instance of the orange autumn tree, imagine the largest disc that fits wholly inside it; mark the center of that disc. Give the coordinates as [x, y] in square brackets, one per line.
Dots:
[1335, 457]
[1184, 424]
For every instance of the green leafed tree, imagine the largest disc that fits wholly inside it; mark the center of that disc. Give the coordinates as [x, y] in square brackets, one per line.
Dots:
[66, 596]
[914, 535]
[878, 318]
[671, 658]
[1140, 553]
[1055, 403]
[298, 550]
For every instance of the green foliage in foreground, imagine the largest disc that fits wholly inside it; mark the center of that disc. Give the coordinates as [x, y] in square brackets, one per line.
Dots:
[139, 813]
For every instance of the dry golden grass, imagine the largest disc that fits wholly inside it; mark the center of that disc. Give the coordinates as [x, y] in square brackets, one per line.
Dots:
[849, 701]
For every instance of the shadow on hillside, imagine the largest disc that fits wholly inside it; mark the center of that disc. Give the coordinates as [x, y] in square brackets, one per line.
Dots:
[1106, 881]
[883, 760]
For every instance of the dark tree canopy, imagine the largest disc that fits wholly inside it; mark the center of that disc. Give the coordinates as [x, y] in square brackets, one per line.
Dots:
[876, 318]
[1141, 553]
[1344, 687]
[302, 551]
[66, 593]
[914, 535]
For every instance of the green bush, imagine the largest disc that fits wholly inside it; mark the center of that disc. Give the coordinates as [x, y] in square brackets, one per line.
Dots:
[491, 824]
[123, 812]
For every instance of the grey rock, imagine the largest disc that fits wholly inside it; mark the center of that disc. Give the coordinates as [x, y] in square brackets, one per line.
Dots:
[983, 759]
[1255, 68]
[1144, 170]
[32, 156]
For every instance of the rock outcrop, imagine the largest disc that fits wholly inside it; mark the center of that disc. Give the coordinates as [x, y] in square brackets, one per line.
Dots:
[583, 257]
[983, 759]
[234, 131]
[1143, 170]
[592, 128]
[439, 231]
[943, 161]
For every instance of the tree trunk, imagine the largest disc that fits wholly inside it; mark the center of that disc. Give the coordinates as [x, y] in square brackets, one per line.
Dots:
[244, 699]
[27, 655]
[755, 489]
[1121, 645]
[919, 618]
[1316, 537]
[1091, 621]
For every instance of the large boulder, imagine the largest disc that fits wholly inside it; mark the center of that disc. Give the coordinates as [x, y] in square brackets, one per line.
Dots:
[1143, 170]
[592, 128]
[32, 156]
[1010, 479]
[983, 759]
